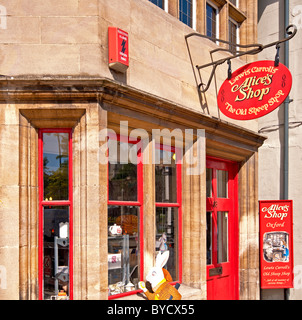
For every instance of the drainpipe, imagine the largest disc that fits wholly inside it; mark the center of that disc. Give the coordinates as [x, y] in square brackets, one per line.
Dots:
[286, 103]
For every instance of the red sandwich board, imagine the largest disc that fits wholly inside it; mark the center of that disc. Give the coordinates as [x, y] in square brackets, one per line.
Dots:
[276, 244]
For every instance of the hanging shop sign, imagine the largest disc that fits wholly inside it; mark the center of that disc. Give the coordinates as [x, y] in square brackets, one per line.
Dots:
[276, 244]
[254, 90]
[118, 49]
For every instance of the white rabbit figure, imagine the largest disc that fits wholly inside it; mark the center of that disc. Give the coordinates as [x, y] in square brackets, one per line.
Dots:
[162, 290]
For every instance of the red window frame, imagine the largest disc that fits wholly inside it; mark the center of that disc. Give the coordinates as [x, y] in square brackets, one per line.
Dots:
[42, 203]
[177, 204]
[138, 203]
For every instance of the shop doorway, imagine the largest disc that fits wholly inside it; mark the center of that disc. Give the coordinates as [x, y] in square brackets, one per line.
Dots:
[222, 230]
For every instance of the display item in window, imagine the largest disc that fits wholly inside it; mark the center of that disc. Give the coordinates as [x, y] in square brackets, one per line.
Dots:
[162, 290]
[115, 230]
[162, 243]
[128, 223]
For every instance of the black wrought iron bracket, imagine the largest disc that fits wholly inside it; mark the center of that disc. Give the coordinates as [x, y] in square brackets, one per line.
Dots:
[251, 49]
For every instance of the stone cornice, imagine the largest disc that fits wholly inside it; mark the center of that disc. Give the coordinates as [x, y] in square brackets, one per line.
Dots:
[110, 92]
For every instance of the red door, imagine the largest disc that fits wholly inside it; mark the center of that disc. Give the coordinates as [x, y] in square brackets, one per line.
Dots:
[222, 230]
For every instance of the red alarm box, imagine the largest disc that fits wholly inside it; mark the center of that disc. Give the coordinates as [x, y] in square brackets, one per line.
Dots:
[118, 49]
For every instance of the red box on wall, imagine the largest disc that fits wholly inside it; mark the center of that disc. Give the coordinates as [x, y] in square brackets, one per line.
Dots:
[118, 49]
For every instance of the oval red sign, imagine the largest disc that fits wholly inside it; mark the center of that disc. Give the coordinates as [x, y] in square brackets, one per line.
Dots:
[254, 90]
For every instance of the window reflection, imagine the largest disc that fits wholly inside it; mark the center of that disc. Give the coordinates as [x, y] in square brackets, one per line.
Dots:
[185, 12]
[209, 182]
[211, 21]
[55, 166]
[165, 176]
[122, 174]
[222, 184]
[167, 237]
[222, 236]
[209, 237]
[56, 253]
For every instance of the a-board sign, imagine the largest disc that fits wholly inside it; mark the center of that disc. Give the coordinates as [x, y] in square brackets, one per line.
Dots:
[276, 244]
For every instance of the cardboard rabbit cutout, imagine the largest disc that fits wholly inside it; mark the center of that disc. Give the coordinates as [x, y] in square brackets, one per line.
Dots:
[162, 290]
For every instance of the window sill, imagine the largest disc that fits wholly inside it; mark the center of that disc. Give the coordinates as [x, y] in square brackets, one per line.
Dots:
[188, 293]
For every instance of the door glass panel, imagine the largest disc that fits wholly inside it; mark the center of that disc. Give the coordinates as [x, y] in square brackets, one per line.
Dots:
[56, 253]
[55, 166]
[222, 236]
[209, 237]
[222, 184]
[209, 183]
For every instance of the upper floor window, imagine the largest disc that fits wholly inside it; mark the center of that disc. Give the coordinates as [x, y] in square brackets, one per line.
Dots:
[234, 2]
[212, 21]
[186, 12]
[233, 35]
[159, 3]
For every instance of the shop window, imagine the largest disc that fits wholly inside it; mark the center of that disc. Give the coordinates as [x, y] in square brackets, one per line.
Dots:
[125, 213]
[168, 207]
[55, 214]
[124, 217]
[123, 249]
[55, 165]
[165, 176]
[186, 12]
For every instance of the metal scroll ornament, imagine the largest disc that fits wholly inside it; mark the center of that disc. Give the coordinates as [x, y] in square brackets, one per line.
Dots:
[250, 49]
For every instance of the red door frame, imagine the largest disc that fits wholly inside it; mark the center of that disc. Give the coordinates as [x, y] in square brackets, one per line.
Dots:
[230, 268]
[43, 203]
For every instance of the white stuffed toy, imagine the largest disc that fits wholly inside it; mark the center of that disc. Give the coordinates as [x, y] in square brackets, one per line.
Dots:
[162, 290]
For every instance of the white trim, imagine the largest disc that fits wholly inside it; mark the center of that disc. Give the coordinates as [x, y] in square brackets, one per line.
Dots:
[194, 14]
[166, 5]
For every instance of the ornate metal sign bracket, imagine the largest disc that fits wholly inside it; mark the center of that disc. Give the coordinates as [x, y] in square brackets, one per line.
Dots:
[251, 49]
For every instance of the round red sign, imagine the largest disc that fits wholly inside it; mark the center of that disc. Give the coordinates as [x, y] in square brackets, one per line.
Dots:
[254, 90]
